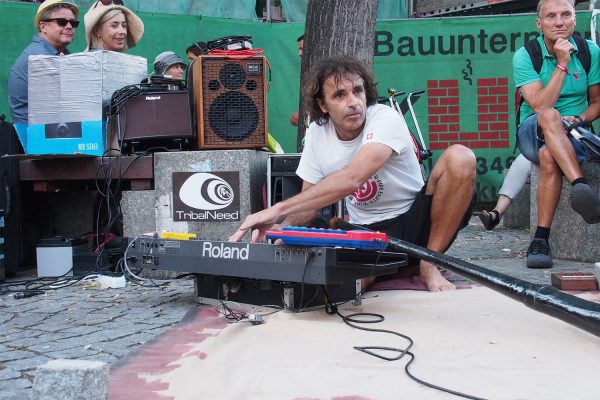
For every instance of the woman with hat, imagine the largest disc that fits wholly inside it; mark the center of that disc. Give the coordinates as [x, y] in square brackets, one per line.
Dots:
[112, 27]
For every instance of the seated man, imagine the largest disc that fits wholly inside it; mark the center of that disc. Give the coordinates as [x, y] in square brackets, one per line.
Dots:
[170, 65]
[56, 21]
[362, 151]
[559, 90]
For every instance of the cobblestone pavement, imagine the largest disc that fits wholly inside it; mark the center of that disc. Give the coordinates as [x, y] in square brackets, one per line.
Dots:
[82, 322]
[87, 322]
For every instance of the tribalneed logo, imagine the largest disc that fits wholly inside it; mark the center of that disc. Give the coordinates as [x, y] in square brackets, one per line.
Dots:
[206, 196]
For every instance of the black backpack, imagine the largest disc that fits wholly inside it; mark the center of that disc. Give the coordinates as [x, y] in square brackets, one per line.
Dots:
[535, 53]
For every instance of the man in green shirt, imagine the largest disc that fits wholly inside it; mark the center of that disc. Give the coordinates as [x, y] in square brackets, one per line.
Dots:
[561, 90]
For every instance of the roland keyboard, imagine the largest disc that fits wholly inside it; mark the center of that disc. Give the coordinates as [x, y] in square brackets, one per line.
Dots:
[308, 265]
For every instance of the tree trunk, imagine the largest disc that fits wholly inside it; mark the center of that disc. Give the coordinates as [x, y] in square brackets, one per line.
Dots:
[335, 28]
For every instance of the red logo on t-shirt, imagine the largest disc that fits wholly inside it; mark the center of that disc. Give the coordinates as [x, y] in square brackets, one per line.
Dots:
[366, 192]
[369, 136]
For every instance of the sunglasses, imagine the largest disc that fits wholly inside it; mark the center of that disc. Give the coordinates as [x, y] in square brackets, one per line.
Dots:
[62, 22]
[108, 3]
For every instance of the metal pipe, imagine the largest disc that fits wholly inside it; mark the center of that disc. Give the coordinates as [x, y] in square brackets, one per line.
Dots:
[543, 298]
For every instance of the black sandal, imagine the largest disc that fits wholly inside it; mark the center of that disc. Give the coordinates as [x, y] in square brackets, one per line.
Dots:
[490, 219]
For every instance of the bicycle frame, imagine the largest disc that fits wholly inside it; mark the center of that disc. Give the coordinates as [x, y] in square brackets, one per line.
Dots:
[423, 153]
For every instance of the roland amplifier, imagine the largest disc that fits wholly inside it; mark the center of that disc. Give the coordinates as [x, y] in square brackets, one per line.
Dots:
[230, 97]
[156, 119]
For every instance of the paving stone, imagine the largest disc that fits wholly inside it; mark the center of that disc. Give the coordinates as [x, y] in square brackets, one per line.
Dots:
[49, 307]
[80, 341]
[6, 317]
[16, 354]
[85, 305]
[137, 339]
[18, 384]
[74, 352]
[8, 373]
[95, 320]
[71, 380]
[28, 320]
[104, 357]
[161, 328]
[4, 349]
[105, 296]
[8, 337]
[27, 363]
[59, 345]
[56, 335]
[25, 343]
[44, 346]
[53, 325]
[79, 330]
[13, 394]
[19, 308]
[116, 351]
[122, 328]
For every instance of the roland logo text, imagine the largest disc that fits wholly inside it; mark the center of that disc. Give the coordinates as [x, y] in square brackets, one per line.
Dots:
[223, 250]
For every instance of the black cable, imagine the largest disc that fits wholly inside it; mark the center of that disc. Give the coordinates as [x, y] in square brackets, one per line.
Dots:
[302, 307]
[353, 319]
[154, 84]
[106, 193]
[132, 277]
[32, 287]
[30, 293]
[311, 254]
[231, 315]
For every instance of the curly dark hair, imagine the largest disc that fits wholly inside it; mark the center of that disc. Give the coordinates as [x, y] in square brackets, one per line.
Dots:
[337, 67]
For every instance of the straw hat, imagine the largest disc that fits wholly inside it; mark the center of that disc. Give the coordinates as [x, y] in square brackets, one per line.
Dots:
[135, 26]
[166, 60]
[49, 3]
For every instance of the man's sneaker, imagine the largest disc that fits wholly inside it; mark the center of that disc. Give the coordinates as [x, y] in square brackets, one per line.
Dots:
[538, 254]
[585, 202]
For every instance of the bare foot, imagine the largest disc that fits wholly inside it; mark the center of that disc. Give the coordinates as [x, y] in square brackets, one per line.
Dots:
[433, 278]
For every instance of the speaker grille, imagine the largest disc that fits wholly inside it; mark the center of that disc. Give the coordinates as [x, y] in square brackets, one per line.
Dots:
[156, 114]
[233, 116]
[231, 102]
[232, 76]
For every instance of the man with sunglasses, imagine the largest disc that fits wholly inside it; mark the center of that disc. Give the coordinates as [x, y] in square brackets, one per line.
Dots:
[56, 21]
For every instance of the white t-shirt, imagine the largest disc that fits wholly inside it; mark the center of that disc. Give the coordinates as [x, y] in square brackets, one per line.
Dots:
[389, 192]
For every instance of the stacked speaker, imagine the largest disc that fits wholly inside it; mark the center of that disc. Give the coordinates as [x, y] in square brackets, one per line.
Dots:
[230, 99]
[156, 119]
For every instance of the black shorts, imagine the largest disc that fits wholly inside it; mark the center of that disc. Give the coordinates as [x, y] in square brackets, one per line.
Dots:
[414, 225]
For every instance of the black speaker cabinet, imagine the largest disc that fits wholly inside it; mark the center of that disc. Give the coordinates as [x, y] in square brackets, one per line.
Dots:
[11, 207]
[283, 183]
[231, 102]
[156, 118]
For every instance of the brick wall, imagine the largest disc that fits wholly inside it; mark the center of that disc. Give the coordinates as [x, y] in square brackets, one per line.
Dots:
[492, 115]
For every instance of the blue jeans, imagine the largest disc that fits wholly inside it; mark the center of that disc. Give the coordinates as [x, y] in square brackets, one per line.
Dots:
[530, 143]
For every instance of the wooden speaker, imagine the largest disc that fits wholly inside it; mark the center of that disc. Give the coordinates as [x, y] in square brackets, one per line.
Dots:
[231, 102]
